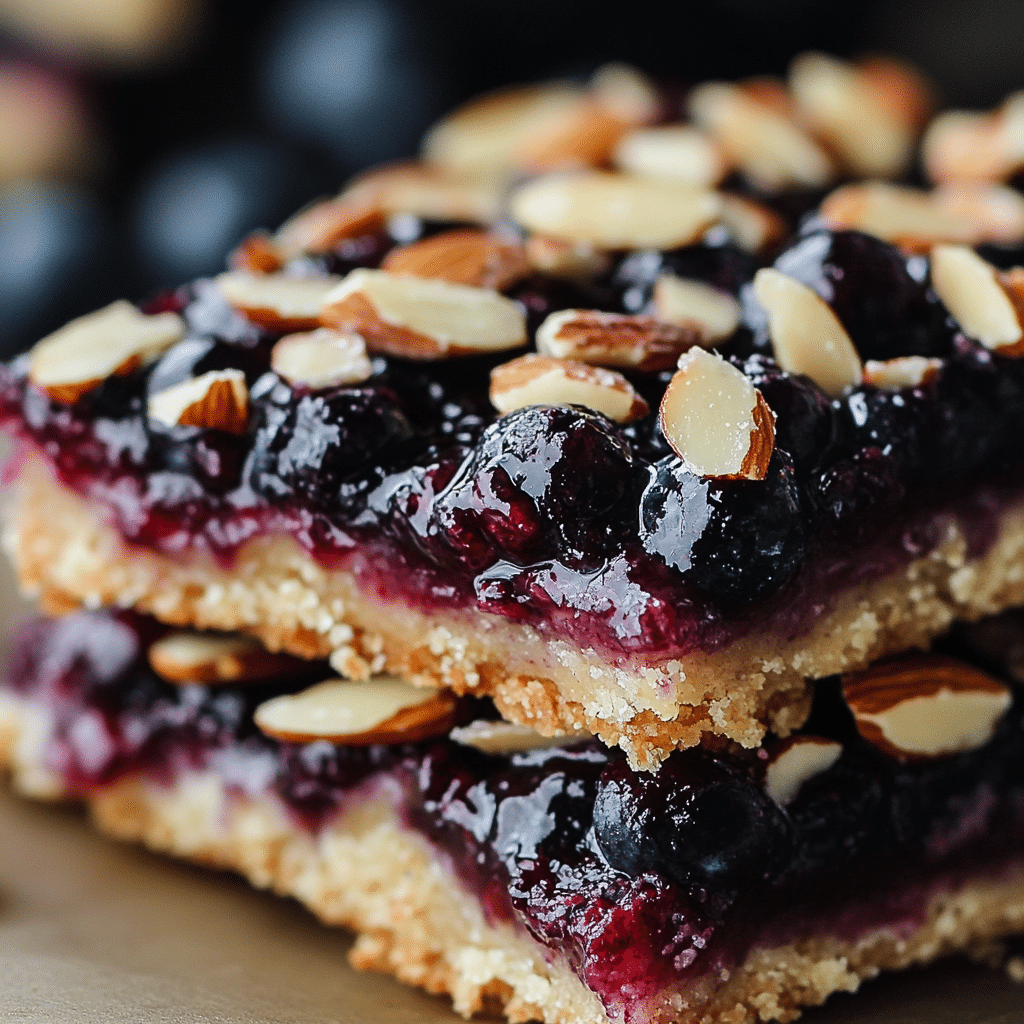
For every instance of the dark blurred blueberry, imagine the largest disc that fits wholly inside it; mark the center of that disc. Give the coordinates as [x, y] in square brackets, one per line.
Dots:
[698, 820]
[880, 295]
[736, 540]
[538, 480]
[867, 480]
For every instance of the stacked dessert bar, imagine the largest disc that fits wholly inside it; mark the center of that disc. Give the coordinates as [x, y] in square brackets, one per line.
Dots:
[570, 514]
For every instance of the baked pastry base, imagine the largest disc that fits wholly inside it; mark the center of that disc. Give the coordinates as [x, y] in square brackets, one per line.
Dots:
[413, 919]
[68, 554]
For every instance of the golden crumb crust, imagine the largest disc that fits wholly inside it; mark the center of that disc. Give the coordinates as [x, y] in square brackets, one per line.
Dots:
[413, 919]
[68, 554]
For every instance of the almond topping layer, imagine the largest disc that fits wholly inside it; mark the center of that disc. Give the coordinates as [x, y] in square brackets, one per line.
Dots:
[217, 400]
[752, 225]
[410, 189]
[576, 261]
[713, 314]
[422, 318]
[540, 380]
[379, 710]
[928, 706]
[256, 254]
[616, 211]
[978, 297]
[321, 359]
[476, 258]
[806, 335]
[995, 212]
[966, 146]
[185, 656]
[901, 372]
[716, 420]
[274, 301]
[320, 227]
[906, 217]
[679, 152]
[795, 761]
[614, 339]
[755, 126]
[497, 737]
[627, 92]
[114, 340]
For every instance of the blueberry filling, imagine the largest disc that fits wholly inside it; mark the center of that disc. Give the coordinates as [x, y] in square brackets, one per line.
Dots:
[645, 877]
[557, 516]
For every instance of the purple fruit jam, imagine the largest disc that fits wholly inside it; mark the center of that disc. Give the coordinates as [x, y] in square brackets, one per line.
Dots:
[556, 516]
[645, 878]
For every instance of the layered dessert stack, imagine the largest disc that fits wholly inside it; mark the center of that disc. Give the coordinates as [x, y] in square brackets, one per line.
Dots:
[569, 515]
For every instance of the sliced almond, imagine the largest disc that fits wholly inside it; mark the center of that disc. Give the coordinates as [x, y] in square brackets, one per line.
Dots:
[614, 339]
[796, 760]
[320, 227]
[615, 211]
[379, 710]
[753, 226]
[806, 335]
[422, 191]
[996, 212]
[928, 706]
[476, 258]
[575, 261]
[218, 400]
[321, 359]
[678, 152]
[909, 218]
[498, 737]
[257, 254]
[966, 146]
[586, 136]
[490, 133]
[713, 314]
[985, 303]
[185, 656]
[757, 131]
[628, 93]
[901, 372]
[541, 380]
[274, 301]
[716, 420]
[420, 318]
[112, 341]
[872, 136]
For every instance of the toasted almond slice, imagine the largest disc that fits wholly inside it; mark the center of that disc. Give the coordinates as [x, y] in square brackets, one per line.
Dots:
[575, 261]
[614, 339]
[541, 380]
[679, 152]
[476, 258]
[615, 211]
[498, 737]
[926, 706]
[320, 227]
[379, 710]
[796, 760]
[587, 135]
[421, 318]
[967, 146]
[491, 132]
[218, 400]
[114, 340]
[321, 359]
[901, 372]
[628, 93]
[758, 133]
[422, 191]
[907, 217]
[973, 291]
[754, 226]
[185, 656]
[716, 420]
[806, 335]
[996, 212]
[847, 108]
[714, 315]
[274, 301]
[257, 254]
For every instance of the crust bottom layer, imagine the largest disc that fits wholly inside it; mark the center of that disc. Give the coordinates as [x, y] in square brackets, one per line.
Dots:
[413, 919]
[67, 553]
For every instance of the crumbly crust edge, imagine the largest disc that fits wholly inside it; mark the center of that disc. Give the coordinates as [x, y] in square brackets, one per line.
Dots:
[413, 919]
[67, 554]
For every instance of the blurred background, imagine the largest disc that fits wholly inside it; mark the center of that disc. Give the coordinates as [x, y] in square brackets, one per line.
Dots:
[140, 139]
